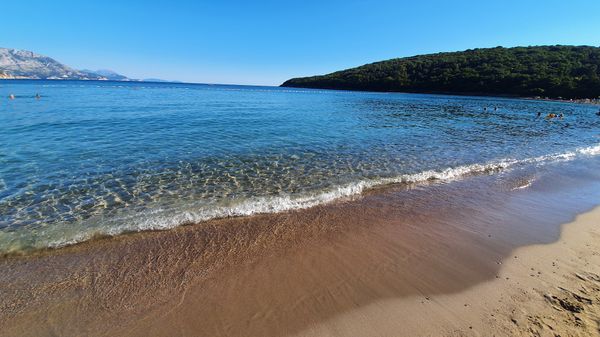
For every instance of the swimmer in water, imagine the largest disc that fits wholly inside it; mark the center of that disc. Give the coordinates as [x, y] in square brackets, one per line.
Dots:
[37, 96]
[11, 96]
[539, 114]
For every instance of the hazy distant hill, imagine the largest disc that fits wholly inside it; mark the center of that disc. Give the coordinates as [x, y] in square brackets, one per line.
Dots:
[25, 64]
[158, 80]
[550, 71]
[108, 74]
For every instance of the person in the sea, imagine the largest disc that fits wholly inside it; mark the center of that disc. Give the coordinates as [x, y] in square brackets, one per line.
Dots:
[539, 114]
[37, 96]
[11, 96]
[598, 113]
[561, 115]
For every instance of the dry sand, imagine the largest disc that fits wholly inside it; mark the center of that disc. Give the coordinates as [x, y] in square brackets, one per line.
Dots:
[473, 258]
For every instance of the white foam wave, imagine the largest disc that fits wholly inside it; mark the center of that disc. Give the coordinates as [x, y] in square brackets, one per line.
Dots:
[162, 219]
[590, 150]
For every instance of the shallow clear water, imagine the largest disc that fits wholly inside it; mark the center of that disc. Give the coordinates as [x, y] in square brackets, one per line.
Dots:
[104, 158]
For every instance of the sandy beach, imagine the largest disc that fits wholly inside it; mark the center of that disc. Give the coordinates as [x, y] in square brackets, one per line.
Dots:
[489, 255]
[299, 169]
[544, 290]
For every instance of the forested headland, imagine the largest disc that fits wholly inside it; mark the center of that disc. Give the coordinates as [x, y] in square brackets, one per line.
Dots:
[544, 71]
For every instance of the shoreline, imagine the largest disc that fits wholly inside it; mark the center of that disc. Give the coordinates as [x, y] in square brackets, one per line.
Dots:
[589, 101]
[289, 203]
[300, 272]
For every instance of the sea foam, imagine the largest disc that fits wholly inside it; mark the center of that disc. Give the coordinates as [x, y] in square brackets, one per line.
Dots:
[163, 219]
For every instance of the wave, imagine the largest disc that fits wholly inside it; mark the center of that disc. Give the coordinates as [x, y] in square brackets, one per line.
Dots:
[163, 218]
[523, 185]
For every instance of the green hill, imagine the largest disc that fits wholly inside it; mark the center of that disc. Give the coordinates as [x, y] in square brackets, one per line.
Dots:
[548, 71]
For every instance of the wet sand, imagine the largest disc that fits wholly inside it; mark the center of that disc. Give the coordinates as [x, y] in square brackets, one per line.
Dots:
[543, 290]
[483, 256]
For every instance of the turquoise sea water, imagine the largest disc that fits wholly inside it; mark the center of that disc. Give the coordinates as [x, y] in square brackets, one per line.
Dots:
[92, 158]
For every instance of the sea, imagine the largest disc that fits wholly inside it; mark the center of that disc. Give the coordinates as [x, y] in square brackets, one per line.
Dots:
[85, 159]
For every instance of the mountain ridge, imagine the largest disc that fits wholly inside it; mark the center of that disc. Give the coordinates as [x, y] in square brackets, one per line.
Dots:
[24, 64]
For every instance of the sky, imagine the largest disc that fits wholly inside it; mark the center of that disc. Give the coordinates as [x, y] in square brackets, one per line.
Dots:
[267, 42]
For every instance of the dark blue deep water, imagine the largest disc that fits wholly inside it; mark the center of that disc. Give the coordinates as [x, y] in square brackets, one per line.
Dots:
[93, 158]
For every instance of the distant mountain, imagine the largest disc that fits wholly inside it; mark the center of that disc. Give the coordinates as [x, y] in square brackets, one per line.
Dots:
[28, 65]
[108, 74]
[158, 80]
[549, 71]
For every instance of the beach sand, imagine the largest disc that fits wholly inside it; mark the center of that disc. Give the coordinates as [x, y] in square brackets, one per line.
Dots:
[544, 290]
[488, 256]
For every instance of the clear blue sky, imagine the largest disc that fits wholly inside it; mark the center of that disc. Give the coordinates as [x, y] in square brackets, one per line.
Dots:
[267, 42]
